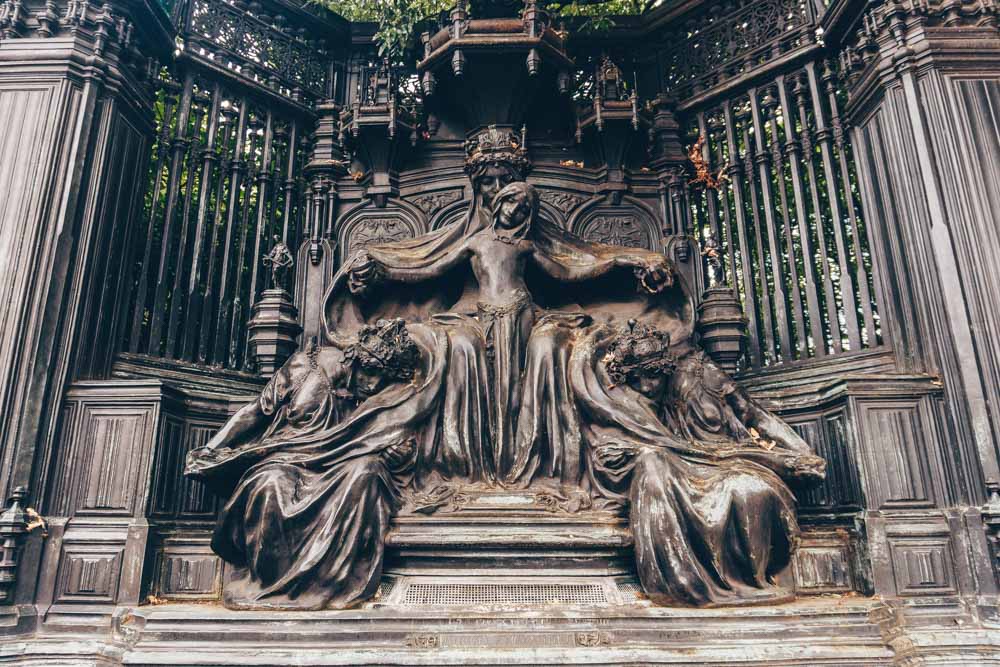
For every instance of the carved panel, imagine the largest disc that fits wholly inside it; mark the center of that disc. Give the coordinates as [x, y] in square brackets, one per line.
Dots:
[432, 202]
[108, 459]
[88, 574]
[828, 436]
[922, 566]
[621, 228]
[564, 201]
[190, 575]
[822, 563]
[449, 217]
[117, 200]
[893, 439]
[22, 171]
[374, 230]
[105, 455]
[175, 495]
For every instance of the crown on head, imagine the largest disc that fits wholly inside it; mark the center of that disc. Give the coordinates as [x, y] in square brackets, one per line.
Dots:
[386, 347]
[638, 347]
[497, 146]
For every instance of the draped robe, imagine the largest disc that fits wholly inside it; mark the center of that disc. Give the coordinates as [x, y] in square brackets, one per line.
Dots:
[713, 521]
[477, 432]
[310, 498]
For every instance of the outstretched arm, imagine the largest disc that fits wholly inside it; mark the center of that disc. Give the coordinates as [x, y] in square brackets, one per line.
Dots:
[767, 424]
[368, 270]
[242, 426]
[653, 271]
[250, 420]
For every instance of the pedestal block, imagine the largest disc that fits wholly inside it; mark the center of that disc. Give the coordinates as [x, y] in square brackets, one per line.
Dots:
[722, 327]
[274, 329]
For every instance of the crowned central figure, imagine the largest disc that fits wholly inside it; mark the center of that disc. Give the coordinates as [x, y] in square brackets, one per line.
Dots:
[496, 284]
[503, 351]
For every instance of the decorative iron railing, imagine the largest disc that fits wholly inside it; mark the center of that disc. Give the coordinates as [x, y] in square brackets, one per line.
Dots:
[267, 46]
[225, 182]
[786, 213]
[725, 40]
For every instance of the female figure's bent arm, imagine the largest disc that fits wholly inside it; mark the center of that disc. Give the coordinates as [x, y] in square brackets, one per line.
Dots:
[241, 427]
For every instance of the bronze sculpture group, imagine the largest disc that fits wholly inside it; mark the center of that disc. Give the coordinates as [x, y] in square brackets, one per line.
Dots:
[507, 352]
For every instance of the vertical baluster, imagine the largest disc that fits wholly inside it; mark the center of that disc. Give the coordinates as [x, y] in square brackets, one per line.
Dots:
[306, 201]
[276, 220]
[179, 147]
[240, 297]
[162, 149]
[678, 185]
[330, 210]
[763, 160]
[764, 290]
[287, 226]
[770, 103]
[736, 178]
[727, 239]
[176, 300]
[224, 308]
[316, 188]
[807, 155]
[706, 154]
[263, 180]
[201, 233]
[692, 204]
[663, 190]
[824, 135]
[830, 78]
[793, 150]
[209, 303]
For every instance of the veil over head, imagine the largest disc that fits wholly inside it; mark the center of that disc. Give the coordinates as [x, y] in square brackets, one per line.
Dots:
[612, 295]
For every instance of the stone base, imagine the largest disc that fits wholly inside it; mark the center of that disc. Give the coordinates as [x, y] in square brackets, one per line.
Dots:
[502, 532]
[828, 630]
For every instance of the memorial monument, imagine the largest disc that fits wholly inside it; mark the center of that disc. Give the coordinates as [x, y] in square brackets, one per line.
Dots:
[600, 393]
[535, 340]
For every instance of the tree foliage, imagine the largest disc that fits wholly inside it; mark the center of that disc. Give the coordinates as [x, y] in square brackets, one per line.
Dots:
[397, 19]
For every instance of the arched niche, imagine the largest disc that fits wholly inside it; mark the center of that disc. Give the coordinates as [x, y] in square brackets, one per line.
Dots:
[366, 225]
[629, 224]
[450, 214]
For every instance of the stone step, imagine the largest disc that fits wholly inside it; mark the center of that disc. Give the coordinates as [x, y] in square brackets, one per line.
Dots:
[827, 631]
[508, 533]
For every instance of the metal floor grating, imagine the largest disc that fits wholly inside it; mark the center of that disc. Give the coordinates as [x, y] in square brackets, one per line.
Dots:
[503, 594]
[385, 588]
[629, 587]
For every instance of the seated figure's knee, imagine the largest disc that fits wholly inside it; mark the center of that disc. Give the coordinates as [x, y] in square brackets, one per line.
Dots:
[276, 476]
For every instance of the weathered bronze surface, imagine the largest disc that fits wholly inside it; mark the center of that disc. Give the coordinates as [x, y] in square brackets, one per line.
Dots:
[545, 361]
[558, 481]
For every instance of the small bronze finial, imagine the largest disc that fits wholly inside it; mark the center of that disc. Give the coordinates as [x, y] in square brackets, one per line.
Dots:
[280, 260]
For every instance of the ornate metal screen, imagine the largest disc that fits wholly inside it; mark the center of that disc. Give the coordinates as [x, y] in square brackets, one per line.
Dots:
[786, 208]
[225, 184]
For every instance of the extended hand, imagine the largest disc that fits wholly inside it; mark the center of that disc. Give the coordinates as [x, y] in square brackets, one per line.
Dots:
[209, 452]
[654, 274]
[807, 468]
